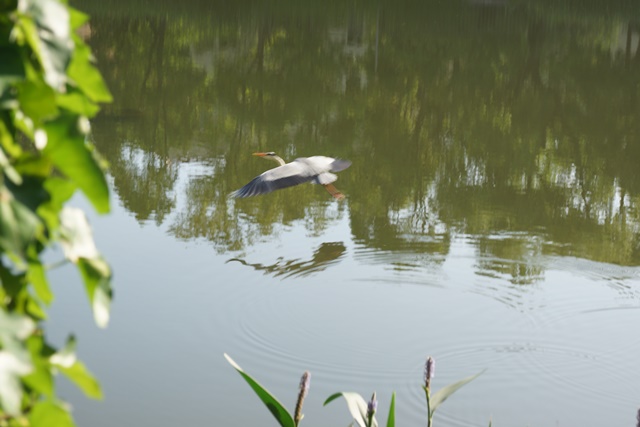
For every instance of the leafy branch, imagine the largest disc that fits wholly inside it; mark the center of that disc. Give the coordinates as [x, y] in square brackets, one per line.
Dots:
[49, 89]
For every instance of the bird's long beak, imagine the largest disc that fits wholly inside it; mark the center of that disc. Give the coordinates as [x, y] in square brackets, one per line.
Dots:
[260, 154]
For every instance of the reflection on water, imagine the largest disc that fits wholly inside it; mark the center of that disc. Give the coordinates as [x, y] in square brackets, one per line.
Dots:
[487, 118]
[494, 189]
[325, 255]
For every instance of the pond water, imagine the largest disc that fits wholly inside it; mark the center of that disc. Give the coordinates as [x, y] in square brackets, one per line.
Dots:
[491, 219]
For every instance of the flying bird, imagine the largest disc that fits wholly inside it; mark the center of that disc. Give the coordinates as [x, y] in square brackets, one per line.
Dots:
[316, 169]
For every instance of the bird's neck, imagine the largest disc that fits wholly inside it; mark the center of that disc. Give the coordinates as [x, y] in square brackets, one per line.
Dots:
[279, 160]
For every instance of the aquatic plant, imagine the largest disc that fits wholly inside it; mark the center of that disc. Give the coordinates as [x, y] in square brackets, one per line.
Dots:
[441, 395]
[277, 409]
[362, 412]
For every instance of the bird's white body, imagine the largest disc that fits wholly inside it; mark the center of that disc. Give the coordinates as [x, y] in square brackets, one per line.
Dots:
[315, 169]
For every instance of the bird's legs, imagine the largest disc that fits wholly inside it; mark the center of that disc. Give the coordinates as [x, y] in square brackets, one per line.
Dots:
[334, 191]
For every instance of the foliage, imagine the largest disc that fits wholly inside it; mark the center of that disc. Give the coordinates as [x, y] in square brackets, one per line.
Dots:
[362, 412]
[49, 88]
[285, 419]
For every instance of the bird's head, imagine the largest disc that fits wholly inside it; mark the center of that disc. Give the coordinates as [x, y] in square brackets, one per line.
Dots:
[271, 156]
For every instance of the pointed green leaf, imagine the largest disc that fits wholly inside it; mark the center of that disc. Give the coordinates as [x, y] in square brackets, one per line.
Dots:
[357, 407]
[81, 377]
[67, 362]
[41, 378]
[37, 277]
[87, 77]
[49, 414]
[47, 30]
[275, 407]
[19, 225]
[60, 190]
[77, 18]
[77, 103]
[442, 394]
[67, 148]
[12, 283]
[8, 169]
[391, 420]
[37, 100]
[97, 279]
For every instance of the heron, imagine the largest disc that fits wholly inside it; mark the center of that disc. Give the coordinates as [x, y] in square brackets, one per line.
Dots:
[315, 169]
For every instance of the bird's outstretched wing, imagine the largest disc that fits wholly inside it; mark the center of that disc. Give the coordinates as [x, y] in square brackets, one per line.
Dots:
[291, 174]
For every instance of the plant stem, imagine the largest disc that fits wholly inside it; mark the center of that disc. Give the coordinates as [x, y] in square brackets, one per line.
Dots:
[427, 393]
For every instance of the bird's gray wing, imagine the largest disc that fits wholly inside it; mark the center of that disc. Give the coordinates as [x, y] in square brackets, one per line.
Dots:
[339, 165]
[291, 174]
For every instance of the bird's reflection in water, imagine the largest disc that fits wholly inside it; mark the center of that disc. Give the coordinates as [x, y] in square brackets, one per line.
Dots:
[326, 254]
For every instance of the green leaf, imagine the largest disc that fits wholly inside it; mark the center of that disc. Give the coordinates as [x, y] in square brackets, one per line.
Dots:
[97, 280]
[357, 407]
[49, 36]
[8, 169]
[391, 421]
[33, 164]
[19, 225]
[442, 394]
[11, 66]
[87, 77]
[37, 100]
[77, 103]
[50, 414]
[78, 18]
[41, 378]
[275, 407]
[34, 309]
[37, 277]
[67, 148]
[66, 361]
[12, 367]
[14, 359]
[60, 190]
[11, 283]
[76, 236]
[79, 374]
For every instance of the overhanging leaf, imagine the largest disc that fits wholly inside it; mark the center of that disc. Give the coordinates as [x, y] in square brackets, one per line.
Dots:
[76, 236]
[67, 362]
[275, 407]
[12, 367]
[81, 377]
[41, 378]
[19, 225]
[77, 103]
[97, 280]
[37, 277]
[49, 414]
[441, 395]
[14, 359]
[87, 77]
[357, 407]
[47, 30]
[67, 148]
[37, 100]
[60, 190]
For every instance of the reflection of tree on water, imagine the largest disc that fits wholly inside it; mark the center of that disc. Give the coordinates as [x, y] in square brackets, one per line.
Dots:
[509, 120]
[513, 258]
[324, 256]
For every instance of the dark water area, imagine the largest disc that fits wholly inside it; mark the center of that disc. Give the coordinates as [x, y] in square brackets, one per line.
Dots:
[491, 217]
